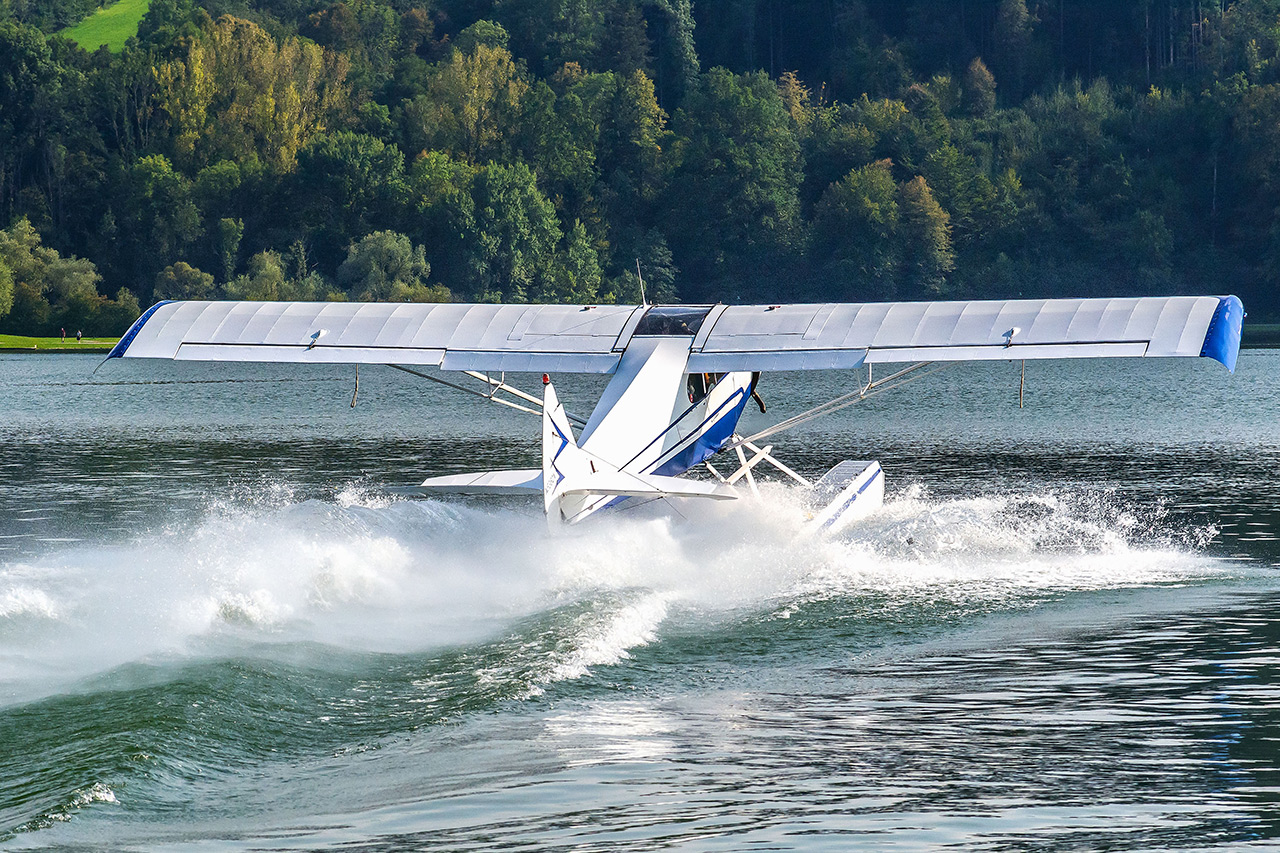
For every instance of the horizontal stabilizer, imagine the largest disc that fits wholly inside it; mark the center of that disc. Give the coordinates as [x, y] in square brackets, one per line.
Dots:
[643, 485]
[522, 481]
[528, 481]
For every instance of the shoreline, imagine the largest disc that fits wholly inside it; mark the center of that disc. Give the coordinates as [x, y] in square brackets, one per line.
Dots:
[88, 350]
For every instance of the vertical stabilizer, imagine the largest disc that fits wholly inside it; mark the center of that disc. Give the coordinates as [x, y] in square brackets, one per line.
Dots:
[561, 457]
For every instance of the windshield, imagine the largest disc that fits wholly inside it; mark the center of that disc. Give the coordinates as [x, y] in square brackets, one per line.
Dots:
[672, 320]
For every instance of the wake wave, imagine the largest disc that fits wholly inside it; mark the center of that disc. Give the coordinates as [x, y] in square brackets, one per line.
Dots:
[371, 573]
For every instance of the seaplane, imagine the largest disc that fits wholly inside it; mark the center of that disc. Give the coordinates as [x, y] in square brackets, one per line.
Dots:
[681, 375]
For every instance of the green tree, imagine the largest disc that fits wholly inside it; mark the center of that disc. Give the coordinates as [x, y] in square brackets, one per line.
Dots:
[511, 240]
[367, 32]
[556, 137]
[926, 238]
[552, 32]
[979, 89]
[182, 281]
[647, 251]
[238, 92]
[482, 33]
[631, 131]
[623, 45]
[676, 63]
[964, 191]
[469, 108]
[28, 81]
[161, 220]
[227, 237]
[387, 267]
[576, 275]
[31, 311]
[735, 191]
[169, 23]
[441, 212]
[1012, 38]
[6, 289]
[41, 267]
[855, 233]
[115, 316]
[50, 290]
[224, 189]
[835, 142]
[263, 281]
[347, 185]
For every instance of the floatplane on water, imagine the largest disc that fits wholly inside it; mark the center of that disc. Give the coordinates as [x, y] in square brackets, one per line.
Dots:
[681, 374]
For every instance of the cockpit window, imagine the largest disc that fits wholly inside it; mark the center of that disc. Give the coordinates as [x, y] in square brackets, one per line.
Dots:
[700, 385]
[672, 320]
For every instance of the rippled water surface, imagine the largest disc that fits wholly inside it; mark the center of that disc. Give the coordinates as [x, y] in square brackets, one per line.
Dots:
[218, 632]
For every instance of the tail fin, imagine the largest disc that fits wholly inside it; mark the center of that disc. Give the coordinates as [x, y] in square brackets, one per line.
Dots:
[561, 457]
[576, 483]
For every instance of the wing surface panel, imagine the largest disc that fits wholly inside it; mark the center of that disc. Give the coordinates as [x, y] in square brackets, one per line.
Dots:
[570, 338]
[757, 337]
[591, 339]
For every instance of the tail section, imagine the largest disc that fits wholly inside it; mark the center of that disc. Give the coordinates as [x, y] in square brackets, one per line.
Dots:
[562, 460]
[576, 483]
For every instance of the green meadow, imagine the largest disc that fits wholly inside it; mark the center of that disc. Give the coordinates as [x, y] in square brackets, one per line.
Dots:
[1260, 335]
[111, 25]
[22, 342]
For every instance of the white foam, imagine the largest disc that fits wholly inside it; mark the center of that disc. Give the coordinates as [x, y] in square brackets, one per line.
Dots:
[365, 572]
[609, 640]
[95, 793]
[82, 798]
[24, 601]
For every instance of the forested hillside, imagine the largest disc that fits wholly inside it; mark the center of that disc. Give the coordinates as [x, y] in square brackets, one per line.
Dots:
[733, 150]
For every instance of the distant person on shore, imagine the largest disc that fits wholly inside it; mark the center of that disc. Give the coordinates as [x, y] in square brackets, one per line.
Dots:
[64, 336]
[78, 335]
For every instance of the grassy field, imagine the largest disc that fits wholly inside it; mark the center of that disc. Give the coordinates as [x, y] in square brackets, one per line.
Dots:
[1260, 335]
[110, 25]
[19, 343]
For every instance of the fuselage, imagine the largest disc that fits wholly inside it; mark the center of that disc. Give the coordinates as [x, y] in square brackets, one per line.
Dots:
[655, 418]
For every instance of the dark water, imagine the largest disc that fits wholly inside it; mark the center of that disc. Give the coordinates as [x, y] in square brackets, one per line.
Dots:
[217, 633]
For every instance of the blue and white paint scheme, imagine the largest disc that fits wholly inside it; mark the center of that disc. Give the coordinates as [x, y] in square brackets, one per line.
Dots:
[681, 374]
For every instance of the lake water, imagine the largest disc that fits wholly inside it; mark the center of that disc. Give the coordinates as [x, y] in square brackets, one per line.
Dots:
[218, 633]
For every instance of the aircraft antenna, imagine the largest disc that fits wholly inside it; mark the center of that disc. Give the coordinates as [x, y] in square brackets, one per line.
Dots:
[643, 300]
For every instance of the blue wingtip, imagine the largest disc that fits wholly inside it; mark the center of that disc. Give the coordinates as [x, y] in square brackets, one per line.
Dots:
[117, 351]
[1222, 341]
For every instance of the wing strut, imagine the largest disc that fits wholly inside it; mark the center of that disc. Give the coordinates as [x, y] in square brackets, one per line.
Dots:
[896, 380]
[495, 385]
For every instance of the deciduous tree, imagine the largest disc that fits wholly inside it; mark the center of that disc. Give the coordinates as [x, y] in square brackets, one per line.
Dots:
[855, 233]
[735, 190]
[926, 241]
[387, 267]
[512, 240]
[237, 91]
[182, 281]
[471, 104]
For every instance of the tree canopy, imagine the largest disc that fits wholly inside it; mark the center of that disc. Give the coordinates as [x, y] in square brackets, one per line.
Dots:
[545, 149]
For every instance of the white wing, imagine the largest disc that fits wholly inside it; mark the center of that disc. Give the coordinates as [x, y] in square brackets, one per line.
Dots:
[554, 338]
[810, 337]
[591, 339]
